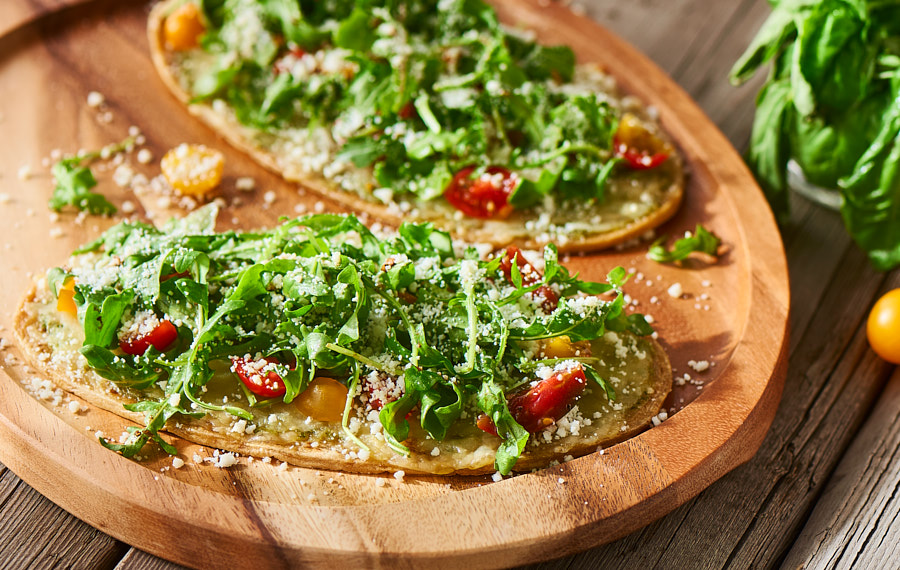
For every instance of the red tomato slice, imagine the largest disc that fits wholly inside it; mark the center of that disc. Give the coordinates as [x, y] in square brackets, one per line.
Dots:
[530, 276]
[160, 338]
[281, 67]
[546, 402]
[174, 275]
[266, 384]
[639, 159]
[484, 197]
[640, 148]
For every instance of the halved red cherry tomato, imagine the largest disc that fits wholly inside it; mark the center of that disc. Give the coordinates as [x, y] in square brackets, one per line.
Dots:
[639, 147]
[542, 405]
[486, 196]
[160, 338]
[408, 111]
[281, 67]
[174, 275]
[263, 383]
[530, 276]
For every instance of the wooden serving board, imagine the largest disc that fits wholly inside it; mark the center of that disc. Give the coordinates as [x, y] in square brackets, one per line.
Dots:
[255, 514]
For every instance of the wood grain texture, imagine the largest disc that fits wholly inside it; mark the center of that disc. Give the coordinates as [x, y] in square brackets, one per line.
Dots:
[17, 13]
[854, 522]
[751, 516]
[44, 536]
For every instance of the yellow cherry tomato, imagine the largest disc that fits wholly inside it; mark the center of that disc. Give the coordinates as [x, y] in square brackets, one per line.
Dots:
[183, 27]
[323, 399]
[65, 298]
[563, 347]
[193, 169]
[883, 327]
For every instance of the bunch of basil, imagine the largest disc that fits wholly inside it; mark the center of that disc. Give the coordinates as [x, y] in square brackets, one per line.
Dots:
[832, 104]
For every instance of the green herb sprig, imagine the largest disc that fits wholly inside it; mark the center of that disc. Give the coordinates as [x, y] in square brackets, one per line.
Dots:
[701, 241]
[75, 181]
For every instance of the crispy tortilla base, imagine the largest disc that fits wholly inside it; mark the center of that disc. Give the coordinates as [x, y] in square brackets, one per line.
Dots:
[498, 233]
[72, 374]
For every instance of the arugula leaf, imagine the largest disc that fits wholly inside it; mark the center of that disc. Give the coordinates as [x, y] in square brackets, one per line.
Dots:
[492, 401]
[100, 325]
[700, 241]
[73, 188]
[74, 181]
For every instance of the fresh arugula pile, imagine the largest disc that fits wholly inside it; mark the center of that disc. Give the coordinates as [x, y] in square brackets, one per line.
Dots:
[327, 297]
[832, 103]
[437, 86]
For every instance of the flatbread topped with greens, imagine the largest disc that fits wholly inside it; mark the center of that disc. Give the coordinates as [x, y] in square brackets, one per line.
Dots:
[327, 346]
[424, 110]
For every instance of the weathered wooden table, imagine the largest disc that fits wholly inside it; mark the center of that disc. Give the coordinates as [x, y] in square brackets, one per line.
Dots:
[821, 490]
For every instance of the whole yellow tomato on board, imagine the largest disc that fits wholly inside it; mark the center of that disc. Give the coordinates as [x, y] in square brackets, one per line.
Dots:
[883, 327]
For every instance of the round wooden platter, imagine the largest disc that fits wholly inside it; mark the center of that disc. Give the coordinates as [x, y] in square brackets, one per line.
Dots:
[255, 514]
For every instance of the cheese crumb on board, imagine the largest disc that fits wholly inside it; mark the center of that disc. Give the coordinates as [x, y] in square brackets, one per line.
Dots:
[675, 290]
[95, 99]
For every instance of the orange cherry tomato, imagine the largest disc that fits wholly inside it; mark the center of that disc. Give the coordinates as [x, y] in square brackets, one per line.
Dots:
[530, 276]
[323, 399]
[65, 298]
[183, 27]
[883, 327]
[486, 196]
[159, 338]
[253, 373]
[640, 148]
[543, 404]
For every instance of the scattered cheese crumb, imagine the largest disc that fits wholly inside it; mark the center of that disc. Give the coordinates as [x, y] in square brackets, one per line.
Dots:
[399, 475]
[225, 460]
[95, 99]
[245, 184]
[177, 462]
[144, 156]
[675, 290]
[25, 172]
[699, 366]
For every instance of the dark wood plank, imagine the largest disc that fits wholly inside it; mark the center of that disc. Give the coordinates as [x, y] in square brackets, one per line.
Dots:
[696, 42]
[854, 523]
[37, 534]
[139, 560]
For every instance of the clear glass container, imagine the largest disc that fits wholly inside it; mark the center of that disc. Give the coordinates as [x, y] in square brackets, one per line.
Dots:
[828, 197]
